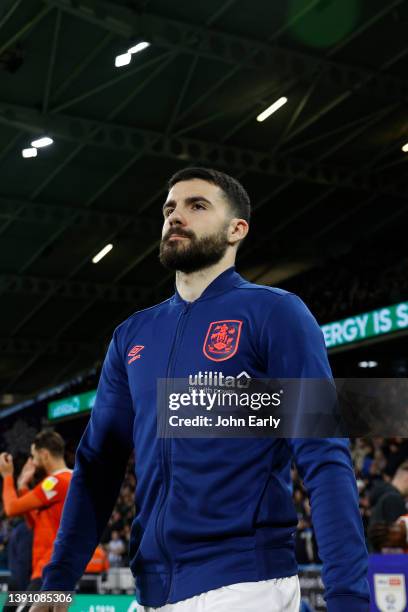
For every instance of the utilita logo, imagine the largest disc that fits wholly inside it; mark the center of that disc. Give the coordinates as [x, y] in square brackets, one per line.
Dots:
[218, 379]
[134, 353]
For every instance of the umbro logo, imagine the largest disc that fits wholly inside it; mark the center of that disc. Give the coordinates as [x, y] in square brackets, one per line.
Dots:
[134, 353]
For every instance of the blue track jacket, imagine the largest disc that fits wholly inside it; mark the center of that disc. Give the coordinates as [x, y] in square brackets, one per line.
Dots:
[210, 512]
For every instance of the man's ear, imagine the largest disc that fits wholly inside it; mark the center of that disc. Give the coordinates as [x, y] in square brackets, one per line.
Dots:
[45, 453]
[238, 229]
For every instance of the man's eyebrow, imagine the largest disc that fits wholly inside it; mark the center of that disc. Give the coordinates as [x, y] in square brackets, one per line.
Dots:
[168, 203]
[189, 200]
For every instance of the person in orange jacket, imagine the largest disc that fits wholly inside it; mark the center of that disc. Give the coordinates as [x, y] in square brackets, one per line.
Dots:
[99, 562]
[42, 506]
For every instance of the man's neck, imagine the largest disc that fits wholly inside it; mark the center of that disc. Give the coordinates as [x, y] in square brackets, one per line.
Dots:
[191, 286]
[56, 466]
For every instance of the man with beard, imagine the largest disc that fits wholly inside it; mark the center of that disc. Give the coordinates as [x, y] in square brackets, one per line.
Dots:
[215, 522]
[41, 506]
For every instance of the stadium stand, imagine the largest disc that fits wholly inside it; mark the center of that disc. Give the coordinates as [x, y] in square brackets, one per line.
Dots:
[341, 288]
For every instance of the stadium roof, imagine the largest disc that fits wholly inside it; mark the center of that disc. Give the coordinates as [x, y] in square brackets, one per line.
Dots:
[324, 172]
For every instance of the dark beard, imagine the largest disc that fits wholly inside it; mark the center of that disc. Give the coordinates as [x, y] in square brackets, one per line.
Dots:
[195, 255]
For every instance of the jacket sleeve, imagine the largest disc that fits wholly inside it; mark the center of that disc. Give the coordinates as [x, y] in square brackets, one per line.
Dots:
[14, 505]
[29, 517]
[296, 349]
[100, 465]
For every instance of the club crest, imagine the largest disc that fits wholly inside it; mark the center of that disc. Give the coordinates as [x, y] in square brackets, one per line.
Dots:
[222, 339]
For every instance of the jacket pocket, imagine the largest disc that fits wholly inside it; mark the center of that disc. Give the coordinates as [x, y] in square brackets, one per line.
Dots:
[275, 507]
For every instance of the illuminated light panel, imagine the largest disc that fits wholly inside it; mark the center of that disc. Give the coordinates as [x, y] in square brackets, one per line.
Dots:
[271, 109]
[102, 253]
[30, 152]
[45, 141]
[139, 47]
[123, 60]
[367, 364]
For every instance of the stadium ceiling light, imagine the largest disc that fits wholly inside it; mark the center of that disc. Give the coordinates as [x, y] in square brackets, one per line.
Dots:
[30, 152]
[123, 60]
[139, 47]
[44, 141]
[405, 148]
[271, 109]
[367, 364]
[102, 253]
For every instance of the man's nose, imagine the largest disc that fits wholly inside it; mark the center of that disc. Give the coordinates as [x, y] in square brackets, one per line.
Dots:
[176, 218]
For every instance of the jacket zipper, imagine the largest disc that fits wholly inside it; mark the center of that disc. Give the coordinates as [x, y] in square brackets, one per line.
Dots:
[166, 455]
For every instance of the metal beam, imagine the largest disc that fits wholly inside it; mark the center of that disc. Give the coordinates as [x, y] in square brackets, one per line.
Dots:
[110, 135]
[324, 195]
[298, 111]
[47, 345]
[12, 209]
[25, 29]
[126, 75]
[51, 64]
[9, 13]
[287, 86]
[167, 58]
[80, 67]
[180, 98]
[220, 11]
[334, 132]
[27, 346]
[345, 95]
[272, 38]
[33, 285]
[177, 35]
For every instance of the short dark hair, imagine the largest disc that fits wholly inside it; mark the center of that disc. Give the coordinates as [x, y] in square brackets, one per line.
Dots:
[51, 440]
[233, 191]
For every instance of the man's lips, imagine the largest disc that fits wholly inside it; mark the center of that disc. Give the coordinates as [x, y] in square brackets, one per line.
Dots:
[177, 237]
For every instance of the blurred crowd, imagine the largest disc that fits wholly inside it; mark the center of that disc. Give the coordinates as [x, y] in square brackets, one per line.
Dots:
[116, 536]
[341, 288]
[375, 462]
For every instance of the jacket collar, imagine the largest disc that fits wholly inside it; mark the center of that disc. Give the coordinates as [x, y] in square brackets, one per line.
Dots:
[222, 283]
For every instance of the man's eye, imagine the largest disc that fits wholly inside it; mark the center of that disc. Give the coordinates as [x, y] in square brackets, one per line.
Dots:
[197, 205]
[168, 211]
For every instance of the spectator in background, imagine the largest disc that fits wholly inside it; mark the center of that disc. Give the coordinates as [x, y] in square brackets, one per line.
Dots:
[42, 506]
[388, 500]
[116, 521]
[97, 566]
[19, 556]
[3, 555]
[99, 563]
[396, 451]
[126, 536]
[19, 559]
[305, 543]
[116, 549]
